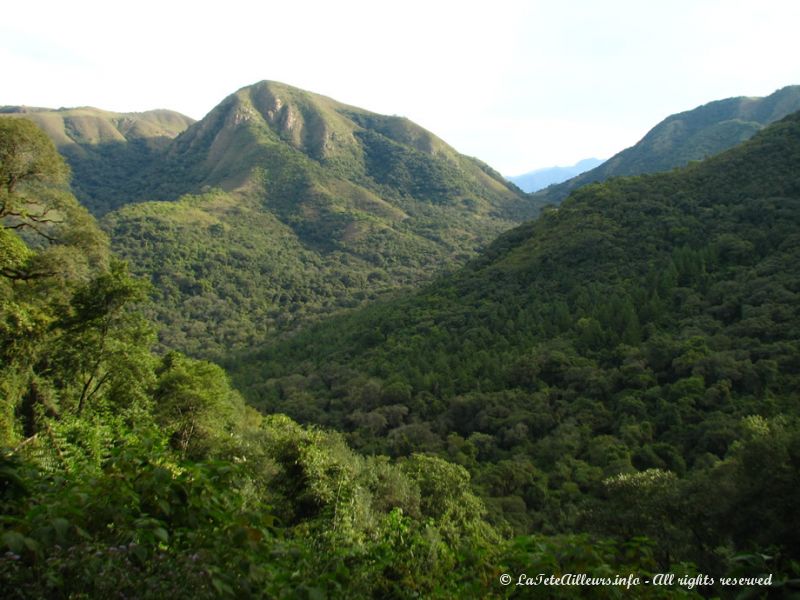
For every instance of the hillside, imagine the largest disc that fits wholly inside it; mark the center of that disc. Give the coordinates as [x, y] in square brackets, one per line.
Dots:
[533, 181]
[283, 205]
[685, 137]
[640, 340]
[106, 151]
[299, 144]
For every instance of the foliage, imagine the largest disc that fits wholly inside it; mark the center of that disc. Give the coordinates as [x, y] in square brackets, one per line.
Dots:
[107, 152]
[619, 346]
[35, 203]
[127, 474]
[56, 264]
[194, 404]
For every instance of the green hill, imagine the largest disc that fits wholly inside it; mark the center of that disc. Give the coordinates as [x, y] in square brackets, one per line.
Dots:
[106, 151]
[285, 205]
[642, 339]
[86, 126]
[688, 136]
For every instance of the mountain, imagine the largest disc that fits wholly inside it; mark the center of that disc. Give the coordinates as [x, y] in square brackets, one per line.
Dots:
[688, 136]
[641, 340]
[282, 205]
[298, 140]
[534, 181]
[106, 151]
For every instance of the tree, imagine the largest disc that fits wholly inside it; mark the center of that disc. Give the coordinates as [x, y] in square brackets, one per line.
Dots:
[103, 344]
[50, 247]
[27, 158]
[445, 496]
[195, 403]
[644, 503]
[35, 202]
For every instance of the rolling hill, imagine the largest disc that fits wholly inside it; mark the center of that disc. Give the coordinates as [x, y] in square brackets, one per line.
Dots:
[687, 136]
[86, 126]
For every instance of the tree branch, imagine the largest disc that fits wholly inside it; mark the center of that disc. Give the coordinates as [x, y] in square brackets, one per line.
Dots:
[16, 275]
[23, 224]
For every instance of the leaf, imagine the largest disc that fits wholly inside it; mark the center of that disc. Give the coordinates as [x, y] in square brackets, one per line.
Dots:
[222, 588]
[31, 544]
[161, 534]
[14, 541]
[139, 553]
[164, 506]
[61, 527]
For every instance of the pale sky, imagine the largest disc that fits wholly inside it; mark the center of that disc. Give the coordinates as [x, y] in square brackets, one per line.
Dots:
[521, 85]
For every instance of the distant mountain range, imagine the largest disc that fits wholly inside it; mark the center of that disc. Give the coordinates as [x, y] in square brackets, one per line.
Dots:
[538, 179]
[684, 137]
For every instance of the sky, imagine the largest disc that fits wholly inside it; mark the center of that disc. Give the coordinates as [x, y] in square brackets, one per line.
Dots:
[519, 84]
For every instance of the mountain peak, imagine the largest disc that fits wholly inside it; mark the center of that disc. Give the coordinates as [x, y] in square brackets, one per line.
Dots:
[540, 178]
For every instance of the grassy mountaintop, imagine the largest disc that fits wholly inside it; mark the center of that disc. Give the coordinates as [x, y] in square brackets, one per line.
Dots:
[86, 126]
[269, 127]
[688, 136]
[282, 205]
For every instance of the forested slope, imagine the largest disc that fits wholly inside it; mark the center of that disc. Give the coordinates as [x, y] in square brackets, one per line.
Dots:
[109, 153]
[641, 339]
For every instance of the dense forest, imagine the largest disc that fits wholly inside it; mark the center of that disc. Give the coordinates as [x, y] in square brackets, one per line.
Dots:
[640, 340]
[108, 153]
[609, 389]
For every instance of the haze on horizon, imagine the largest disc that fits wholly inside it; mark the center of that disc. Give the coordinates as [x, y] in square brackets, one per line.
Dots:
[521, 86]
